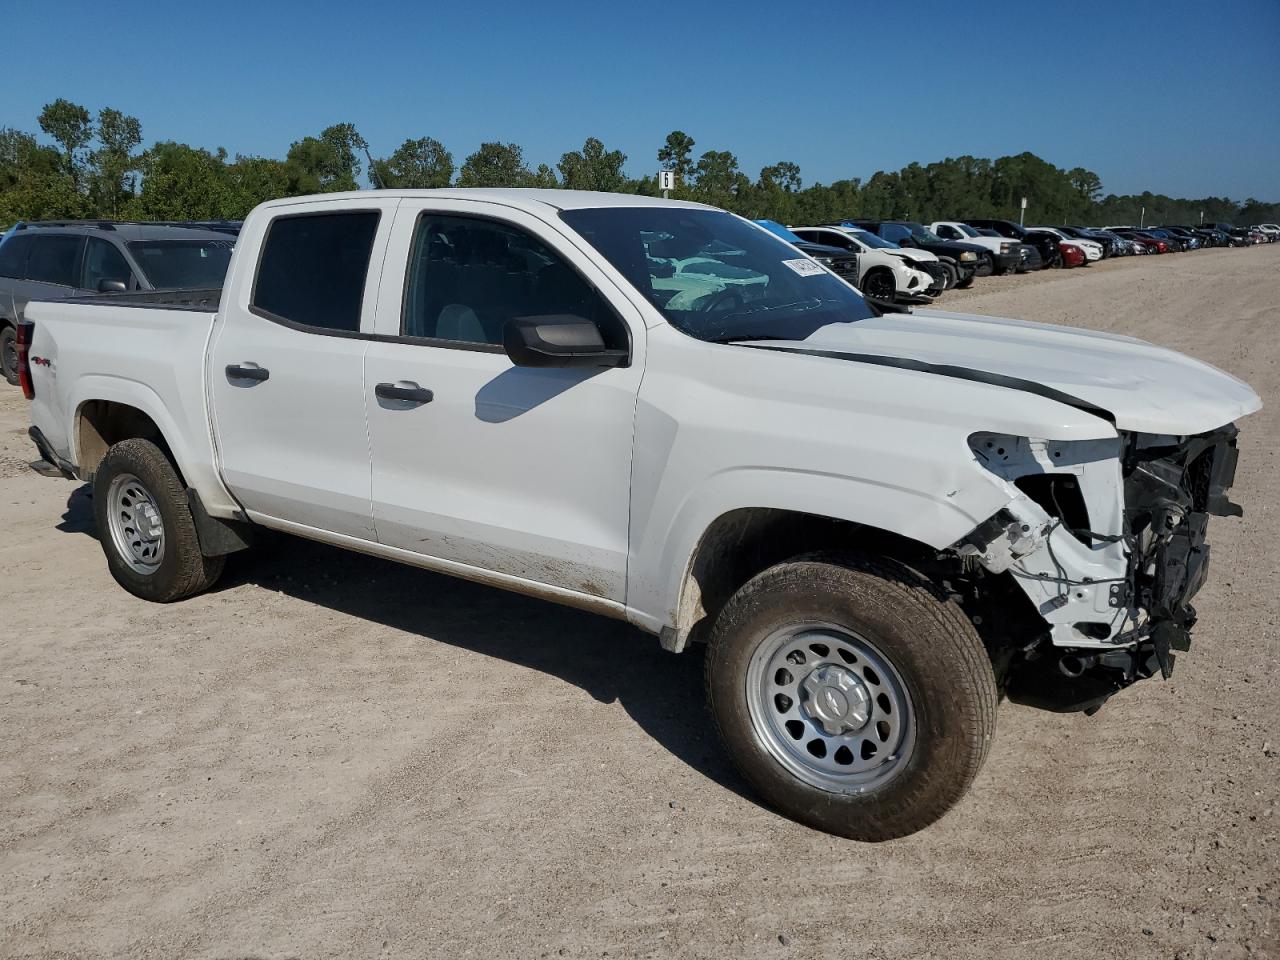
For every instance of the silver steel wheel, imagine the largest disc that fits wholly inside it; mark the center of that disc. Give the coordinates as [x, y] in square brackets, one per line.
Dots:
[137, 529]
[830, 708]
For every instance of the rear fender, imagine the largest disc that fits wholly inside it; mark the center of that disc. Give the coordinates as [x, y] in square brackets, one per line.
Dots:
[189, 443]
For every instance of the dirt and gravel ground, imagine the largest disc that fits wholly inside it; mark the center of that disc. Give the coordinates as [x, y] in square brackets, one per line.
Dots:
[332, 756]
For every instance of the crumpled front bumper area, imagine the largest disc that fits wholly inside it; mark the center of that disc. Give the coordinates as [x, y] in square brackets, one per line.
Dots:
[1171, 490]
[1110, 547]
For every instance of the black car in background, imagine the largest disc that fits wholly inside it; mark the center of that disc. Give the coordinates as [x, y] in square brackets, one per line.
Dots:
[1046, 243]
[66, 258]
[962, 258]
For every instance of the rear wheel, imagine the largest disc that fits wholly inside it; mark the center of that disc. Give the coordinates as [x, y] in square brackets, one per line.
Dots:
[852, 694]
[9, 353]
[145, 525]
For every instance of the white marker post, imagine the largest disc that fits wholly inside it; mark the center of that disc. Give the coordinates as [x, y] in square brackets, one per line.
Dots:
[1022, 213]
[666, 181]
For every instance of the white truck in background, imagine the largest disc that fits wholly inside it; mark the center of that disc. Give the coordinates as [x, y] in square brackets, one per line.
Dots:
[877, 523]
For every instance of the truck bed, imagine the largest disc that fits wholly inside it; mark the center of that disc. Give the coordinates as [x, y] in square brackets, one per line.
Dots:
[145, 351]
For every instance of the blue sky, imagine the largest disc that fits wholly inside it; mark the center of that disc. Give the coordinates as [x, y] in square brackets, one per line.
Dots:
[1177, 97]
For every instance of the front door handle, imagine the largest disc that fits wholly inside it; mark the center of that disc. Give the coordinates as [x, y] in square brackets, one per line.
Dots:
[405, 390]
[247, 371]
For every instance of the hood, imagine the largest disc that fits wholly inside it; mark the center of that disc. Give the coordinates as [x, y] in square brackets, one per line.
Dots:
[911, 253]
[1143, 388]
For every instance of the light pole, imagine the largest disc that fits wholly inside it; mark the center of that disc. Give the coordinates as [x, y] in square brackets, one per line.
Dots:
[1142, 218]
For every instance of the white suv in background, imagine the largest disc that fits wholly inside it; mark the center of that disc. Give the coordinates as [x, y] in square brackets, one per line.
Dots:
[877, 258]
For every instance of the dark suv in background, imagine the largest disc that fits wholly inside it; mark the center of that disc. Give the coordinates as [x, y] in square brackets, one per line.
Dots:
[67, 258]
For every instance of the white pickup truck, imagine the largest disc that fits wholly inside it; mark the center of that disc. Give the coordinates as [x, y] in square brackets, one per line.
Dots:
[878, 523]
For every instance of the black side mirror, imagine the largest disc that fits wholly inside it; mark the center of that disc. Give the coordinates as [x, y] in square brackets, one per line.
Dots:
[906, 242]
[558, 340]
[112, 286]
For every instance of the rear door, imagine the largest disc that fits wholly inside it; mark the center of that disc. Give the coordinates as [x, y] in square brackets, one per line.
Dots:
[519, 471]
[286, 368]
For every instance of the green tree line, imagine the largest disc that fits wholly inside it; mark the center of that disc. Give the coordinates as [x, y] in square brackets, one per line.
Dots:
[86, 166]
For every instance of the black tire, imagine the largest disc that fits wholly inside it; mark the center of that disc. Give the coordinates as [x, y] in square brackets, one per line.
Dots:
[952, 275]
[9, 353]
[925, 636]
[183, 570]
[879, 284]
[987, 265]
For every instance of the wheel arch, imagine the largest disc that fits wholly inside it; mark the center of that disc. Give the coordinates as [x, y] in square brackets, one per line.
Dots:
[882, 269]
[108, 411]
[745, 541]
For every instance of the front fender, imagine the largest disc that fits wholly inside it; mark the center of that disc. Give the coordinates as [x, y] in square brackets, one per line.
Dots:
[659, 570]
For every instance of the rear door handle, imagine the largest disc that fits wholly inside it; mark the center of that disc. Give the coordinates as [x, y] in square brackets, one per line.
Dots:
[247, 371]
[405, 390]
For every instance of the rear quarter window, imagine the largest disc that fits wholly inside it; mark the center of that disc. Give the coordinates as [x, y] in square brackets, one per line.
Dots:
[313, 268]
[55, 259]
[13, 256]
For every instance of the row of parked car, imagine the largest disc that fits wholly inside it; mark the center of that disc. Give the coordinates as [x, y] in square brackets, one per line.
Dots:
[890, 261]
[902, 261]
[65, 258]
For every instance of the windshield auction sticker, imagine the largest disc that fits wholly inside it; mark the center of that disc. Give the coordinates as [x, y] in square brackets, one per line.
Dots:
[805, 267]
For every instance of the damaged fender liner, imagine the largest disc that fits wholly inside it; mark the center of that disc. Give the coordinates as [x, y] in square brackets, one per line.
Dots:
[955, 372]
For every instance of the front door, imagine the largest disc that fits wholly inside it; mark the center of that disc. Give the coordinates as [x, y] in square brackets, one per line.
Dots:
[476, 462]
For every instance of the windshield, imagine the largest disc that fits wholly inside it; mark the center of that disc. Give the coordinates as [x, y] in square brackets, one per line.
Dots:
[170, 264]
[778, 230]
[715, 277]
[967, 230]
[871, 240]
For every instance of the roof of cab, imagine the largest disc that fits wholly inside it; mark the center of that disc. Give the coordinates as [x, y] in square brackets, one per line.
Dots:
[527, 199]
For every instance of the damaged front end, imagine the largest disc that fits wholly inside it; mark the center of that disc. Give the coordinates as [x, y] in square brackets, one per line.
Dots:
[1106, 538]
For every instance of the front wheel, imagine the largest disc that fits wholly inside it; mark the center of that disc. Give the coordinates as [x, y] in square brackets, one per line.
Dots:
[145, 525]
[9, 353]
[852, 693]
[951, 273]
[880, 285]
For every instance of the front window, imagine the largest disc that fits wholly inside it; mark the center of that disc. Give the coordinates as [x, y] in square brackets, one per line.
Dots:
[170, 264]
[715, 277]
[467, 277]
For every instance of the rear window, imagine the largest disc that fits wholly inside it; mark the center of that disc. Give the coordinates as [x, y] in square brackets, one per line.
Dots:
[171, 264]
[313, 269]
[55, 259]
[13, 256]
